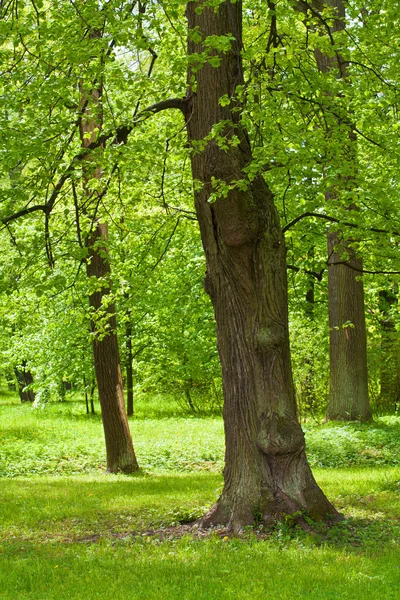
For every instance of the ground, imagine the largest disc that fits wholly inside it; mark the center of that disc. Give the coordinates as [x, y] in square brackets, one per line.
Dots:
[68, 531]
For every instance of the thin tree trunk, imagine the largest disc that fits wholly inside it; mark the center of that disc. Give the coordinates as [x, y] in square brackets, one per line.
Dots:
[92, 390]
[24, 379]
[389, 399]
[119, 447]
[120, 453]
[129, 367]
[266, 472]
[307, 385]
[86, 395]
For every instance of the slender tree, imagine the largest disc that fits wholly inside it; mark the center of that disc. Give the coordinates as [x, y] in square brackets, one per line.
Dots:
[119, 447]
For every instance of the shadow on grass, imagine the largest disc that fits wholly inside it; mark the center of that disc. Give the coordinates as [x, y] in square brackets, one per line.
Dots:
[73, 509]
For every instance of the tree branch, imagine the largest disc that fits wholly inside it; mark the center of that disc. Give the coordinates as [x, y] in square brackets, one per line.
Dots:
[23, 212]
[334, 220]
[354, 268]
[317, 274]
[119, 136]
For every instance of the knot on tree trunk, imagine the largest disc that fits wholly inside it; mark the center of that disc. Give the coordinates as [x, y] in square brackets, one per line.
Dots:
[208, 286]
[279, 435]
[271, 336]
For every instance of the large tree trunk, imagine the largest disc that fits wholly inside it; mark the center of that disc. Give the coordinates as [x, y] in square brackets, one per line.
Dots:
[348, 390]
[119, 447]
[266, 471]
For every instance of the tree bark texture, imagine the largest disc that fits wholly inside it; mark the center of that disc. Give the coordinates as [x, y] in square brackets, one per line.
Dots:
[119, 447]
[266, 472]
[348, 390]
[348, 395]
[120, 452]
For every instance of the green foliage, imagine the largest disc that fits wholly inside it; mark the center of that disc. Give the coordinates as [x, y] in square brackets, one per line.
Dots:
[338, 445]
[298, 120]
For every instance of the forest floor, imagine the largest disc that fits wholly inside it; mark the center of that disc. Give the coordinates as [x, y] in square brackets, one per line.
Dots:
[68, 531]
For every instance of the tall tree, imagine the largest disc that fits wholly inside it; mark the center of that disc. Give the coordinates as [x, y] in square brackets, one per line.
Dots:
[266, 471]
[119, 447]
[348, 394]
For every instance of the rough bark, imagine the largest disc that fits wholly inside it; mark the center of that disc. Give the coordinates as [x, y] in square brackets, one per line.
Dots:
[266, 472]
[348, 390]
[119, 447]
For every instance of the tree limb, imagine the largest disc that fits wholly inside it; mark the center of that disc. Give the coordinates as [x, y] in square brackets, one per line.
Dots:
[119, 136]
[360, 270]
[334, 220]
[317, 274]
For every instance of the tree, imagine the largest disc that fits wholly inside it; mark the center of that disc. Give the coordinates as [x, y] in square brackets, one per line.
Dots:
[119, 447]
[348, 394]
[78, 91]
[24, 382]
[266, 472]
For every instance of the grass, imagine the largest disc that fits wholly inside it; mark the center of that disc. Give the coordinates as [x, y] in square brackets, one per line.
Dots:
[68, 531]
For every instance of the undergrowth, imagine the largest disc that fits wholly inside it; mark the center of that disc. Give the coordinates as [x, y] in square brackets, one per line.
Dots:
[61, 439]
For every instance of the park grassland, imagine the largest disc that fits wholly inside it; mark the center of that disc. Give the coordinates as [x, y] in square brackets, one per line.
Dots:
[68, 531]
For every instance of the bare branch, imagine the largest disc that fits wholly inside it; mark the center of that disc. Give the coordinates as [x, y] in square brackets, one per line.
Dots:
[166, 245]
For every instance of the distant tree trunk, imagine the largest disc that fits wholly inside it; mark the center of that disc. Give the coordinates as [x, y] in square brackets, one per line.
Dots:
[129, 367]
[86, 398]
[120, 453]
[24, 379]
[389, 399]
[86, 394]
[348, 393]
[92, 390]
[266, 472]
[307, 383]
[348, 396]
[119, 447]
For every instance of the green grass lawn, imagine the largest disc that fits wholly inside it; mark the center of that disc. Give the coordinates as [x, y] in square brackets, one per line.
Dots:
[68, 531]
